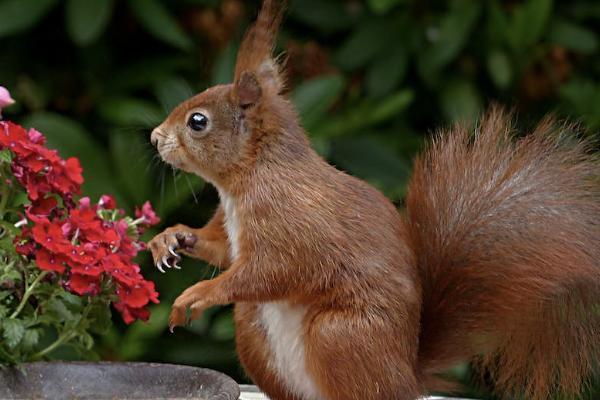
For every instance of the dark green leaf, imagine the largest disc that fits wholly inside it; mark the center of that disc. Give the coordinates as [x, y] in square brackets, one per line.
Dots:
[12, 331]
[383, 6]
[19, 15]
[529, 23]
[373, 161]
[499, 68]
[449, 38]
[313, 98]
[131, 112]
[224, 66]
[364, 44]
[153, 16]
[367, 114]
[387, 71]
[172, 91]
[100, 318]
[175, 191]
[86, 20]
[460, 101]
[223, 327]
[328, 16]
[573, 37]
[57, 309]
[129, 152]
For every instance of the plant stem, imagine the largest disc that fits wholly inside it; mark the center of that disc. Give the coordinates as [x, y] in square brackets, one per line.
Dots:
[61, 339]
[65, 337]
[5, 193]
[28, 293]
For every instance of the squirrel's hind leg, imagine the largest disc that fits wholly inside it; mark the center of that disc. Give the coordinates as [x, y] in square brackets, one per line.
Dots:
[356, 355]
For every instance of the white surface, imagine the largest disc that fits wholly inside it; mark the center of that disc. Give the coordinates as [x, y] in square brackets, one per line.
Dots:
[251, 393]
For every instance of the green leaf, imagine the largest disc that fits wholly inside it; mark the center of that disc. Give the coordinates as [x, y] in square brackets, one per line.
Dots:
[223, 327]
[449, 38]
[499, 68]
[372, 160]
[172, 91]
[72, 140]
[56, 309]
[5, 156]
[387, 71]
[529, 23]
[366, 114]
[100, 318]
[314, 97]
[19, 15]
[134, 176]
[224, 67]
[131, 111]
[86, 20]
[327, 16]
[31, 338]
[383, 6]
[12, 331]
[573, 37]
[364, 44]
[460, 101]
[154, 16]
[177, 190]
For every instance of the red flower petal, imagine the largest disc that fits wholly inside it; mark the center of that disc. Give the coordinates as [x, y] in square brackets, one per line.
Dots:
[49, 262]
[84, 284]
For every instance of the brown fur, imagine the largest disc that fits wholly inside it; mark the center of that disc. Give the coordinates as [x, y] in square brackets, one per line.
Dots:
[495, 259]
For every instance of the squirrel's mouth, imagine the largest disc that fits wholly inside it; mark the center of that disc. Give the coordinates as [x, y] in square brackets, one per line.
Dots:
[167, 147]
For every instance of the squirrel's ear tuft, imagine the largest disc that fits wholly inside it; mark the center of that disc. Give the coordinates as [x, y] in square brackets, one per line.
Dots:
[255, 54]
[247, 89]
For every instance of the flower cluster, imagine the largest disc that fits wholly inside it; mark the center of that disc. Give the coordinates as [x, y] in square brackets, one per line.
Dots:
[89, 247]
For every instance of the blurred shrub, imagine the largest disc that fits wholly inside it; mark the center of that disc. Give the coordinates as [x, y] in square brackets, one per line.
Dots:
[370, 79]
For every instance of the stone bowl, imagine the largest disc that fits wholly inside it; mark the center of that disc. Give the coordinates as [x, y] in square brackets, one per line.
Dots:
[108, 380]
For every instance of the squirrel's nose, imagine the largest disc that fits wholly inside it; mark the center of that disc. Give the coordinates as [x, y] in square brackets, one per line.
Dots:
[154, 138]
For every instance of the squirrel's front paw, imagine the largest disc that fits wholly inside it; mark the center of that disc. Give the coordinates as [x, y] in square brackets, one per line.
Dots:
[165, 247]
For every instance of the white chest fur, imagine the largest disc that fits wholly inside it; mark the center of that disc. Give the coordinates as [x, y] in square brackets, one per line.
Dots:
[282, 323]
[283, 326]
[232, 224]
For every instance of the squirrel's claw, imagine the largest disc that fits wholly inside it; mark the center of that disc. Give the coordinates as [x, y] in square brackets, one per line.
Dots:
[165, 261]
[172, 251]
[159, 267]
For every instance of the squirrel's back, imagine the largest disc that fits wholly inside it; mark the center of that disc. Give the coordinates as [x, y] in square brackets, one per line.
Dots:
[506, 234]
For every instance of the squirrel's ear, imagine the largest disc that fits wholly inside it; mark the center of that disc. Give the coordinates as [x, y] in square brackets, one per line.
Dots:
[255, 54]
[247, 89]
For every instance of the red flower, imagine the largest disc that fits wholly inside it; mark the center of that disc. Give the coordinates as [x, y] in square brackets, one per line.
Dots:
[148, 214]
[49, 262]
[51, 237]
[84, 284]
[138, 295]
[75, 238]
[131, 314]
[107, 202]
[41, 209]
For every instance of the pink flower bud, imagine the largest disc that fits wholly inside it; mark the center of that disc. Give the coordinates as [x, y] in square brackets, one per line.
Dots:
[5, 99]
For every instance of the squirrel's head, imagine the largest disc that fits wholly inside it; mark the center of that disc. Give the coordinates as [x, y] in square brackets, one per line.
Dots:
[220, 130]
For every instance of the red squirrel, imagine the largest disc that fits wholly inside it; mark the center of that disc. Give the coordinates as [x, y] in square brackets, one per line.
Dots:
[338, 295]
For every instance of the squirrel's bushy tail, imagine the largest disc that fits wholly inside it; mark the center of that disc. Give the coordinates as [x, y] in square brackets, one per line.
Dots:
[506, 234]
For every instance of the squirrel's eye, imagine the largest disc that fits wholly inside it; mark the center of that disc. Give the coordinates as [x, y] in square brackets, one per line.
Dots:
[198, 122]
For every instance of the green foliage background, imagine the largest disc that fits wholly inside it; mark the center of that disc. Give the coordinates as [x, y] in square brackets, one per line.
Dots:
[371, 79]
